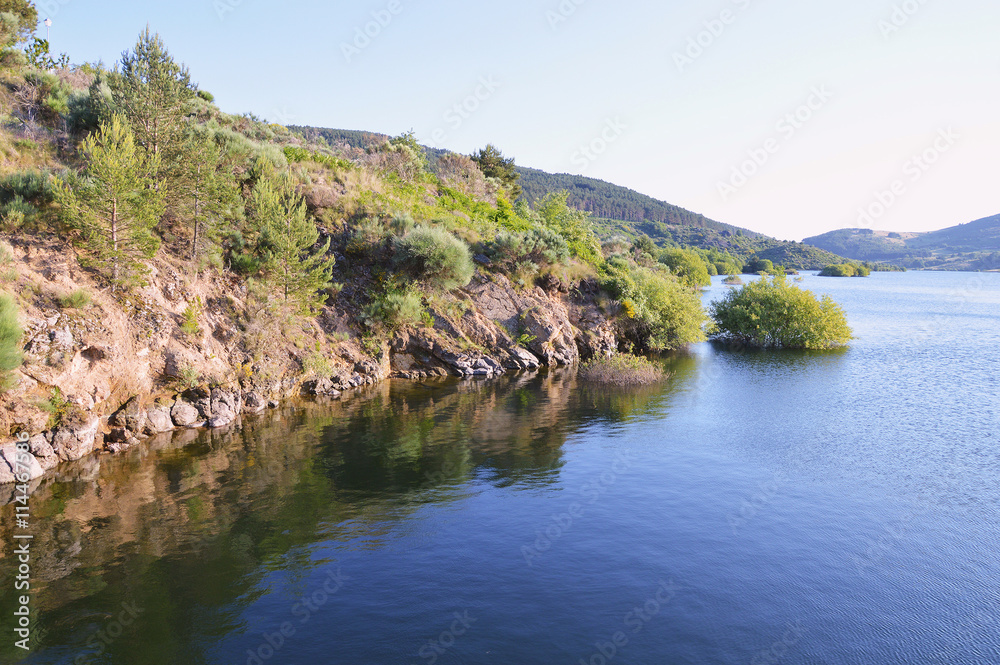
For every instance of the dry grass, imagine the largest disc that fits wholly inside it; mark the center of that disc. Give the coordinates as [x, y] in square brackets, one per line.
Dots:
[623, 369]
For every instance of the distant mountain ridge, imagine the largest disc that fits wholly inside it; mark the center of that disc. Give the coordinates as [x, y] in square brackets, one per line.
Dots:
[971, 246]
[618, 210]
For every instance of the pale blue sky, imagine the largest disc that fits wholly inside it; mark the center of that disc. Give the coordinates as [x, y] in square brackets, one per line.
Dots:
[609, 75]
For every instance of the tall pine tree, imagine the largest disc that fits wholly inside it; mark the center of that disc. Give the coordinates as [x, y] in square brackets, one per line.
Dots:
[115, 204]
[286, 240]
[205, 195]
[153, 92]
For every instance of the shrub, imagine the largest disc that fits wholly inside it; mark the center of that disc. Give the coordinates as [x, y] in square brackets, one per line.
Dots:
[733, 280]
[771, 313]
[845, 270]
[77, 299]
[623, 369]
[660, 313]
[206, 95]
[10, 341]
[511, 251]
[189, 319]
[690, 269]
[367, 238]
[434, 256]
[397, 309]
[57, 406]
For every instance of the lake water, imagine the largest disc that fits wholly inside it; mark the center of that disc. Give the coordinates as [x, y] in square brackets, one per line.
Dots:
[784, 507]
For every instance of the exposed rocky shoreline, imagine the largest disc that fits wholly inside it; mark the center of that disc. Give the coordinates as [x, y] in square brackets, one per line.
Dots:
[119, 376]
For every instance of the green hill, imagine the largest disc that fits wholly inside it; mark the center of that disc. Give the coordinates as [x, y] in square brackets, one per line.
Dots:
[617, 210]
[971, 246]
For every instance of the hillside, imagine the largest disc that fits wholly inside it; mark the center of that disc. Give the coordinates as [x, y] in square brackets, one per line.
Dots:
[620, 211]
[971, 246]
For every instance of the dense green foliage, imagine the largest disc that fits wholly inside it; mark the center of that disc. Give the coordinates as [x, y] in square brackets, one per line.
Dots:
[845, 270]
[771, 313]
[689, 267]
[659, 313]
[528, 251]
[434, 256]
[10, 340]
[494, 165]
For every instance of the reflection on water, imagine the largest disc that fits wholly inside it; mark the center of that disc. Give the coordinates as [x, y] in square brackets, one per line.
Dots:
[196, 519]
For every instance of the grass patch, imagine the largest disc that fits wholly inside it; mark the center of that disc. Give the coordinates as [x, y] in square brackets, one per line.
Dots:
[623, 369]
[77, 299]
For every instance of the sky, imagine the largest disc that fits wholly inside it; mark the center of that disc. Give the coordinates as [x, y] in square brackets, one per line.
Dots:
[786, 117]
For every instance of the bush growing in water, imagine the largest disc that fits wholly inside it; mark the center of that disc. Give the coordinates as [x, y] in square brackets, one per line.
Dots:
[845, 270]
[771, 313]
[623, 369]
[435, 256]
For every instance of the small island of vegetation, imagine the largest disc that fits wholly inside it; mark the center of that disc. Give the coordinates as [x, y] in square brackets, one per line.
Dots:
[845, 270]
[623, 369]
[771, 313]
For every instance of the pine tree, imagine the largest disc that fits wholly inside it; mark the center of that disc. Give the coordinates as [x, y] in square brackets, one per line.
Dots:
[286, 238]
[494, 165]
[152, 91]
[115, 205]
[204, 193]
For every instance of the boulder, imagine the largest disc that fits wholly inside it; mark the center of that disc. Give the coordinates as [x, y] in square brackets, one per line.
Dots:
[184, 414]
[253, 402]
[158, 420]
[42, 450]
[131, 416]
[9, 467]
[71, 442]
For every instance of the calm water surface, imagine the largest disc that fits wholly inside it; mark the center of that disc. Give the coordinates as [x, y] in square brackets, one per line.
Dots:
[834, 507]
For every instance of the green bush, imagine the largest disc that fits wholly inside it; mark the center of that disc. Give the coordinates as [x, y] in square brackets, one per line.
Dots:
[771, 313]
[368, 237]
[435, 256]
[845, 270]
[189, 319]
[396, 309]
[77, 299]
[690, 269]
[658, 312]
[10, 341]
[511, 251]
